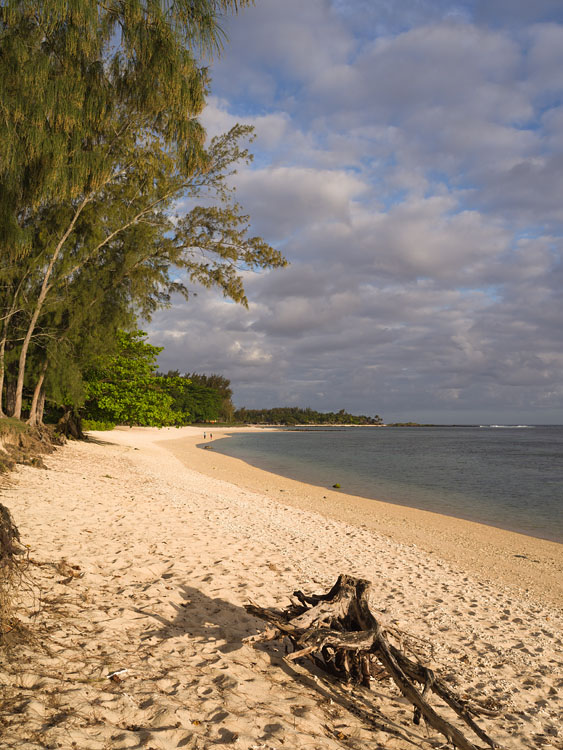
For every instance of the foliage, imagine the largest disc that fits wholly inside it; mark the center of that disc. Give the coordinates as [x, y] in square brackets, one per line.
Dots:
[207, 398]
[88, 63]
[91, 169]
[124, 388]
[289, 415]
[203, 404]
[92, 424]
[211, 397]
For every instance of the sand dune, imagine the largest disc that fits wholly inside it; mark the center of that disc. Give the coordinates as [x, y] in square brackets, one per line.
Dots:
[144, 564]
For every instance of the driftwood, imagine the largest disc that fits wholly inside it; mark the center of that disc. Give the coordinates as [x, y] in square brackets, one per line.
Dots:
[10, 555]
[342, 636]
[9, 535]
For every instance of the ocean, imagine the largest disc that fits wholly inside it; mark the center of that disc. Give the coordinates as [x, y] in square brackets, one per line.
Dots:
[505, 476]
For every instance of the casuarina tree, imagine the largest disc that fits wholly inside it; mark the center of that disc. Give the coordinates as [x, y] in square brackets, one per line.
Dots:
[93, 163]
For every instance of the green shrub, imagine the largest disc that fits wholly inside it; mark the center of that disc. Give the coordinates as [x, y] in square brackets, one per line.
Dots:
[92, 424]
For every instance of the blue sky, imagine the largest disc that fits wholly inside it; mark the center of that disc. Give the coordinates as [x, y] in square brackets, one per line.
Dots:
[409, 162]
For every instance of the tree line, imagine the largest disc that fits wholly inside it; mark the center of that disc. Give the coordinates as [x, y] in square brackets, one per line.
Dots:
[126, 388]
[99, 142]
[289, 415]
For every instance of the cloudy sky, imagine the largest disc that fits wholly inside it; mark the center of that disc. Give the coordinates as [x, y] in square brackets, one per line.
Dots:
[409, 163]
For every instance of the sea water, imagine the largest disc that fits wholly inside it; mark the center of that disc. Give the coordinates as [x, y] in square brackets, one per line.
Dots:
[500, 475]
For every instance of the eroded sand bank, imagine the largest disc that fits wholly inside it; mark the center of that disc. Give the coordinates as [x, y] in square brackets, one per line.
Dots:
[170, 552]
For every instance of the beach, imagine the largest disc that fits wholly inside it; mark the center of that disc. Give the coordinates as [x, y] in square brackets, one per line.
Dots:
[144, 549]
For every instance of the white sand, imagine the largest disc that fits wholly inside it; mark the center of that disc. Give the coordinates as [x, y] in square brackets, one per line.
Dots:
[170, 555]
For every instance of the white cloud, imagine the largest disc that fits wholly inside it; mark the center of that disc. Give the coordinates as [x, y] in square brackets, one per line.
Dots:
[409, 163]
[283, 200]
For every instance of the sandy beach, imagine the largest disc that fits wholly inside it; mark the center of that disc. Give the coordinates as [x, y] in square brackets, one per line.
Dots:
[144, 549]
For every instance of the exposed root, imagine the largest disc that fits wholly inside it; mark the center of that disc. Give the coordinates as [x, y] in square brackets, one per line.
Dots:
[11, 565]
[341, 635]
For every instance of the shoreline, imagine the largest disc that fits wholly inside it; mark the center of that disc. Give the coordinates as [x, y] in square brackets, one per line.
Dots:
[230, 432]
[140, 565]
[518, 560]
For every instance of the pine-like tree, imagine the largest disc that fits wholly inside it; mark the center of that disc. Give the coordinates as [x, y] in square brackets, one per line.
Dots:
[91, 164]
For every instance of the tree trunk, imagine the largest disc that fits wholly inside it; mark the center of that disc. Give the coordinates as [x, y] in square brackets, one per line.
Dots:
[41, 405]
[2, 360]
[3, 343]
[39, 307]
[7, 320]
[10, 394]
[33, 412]
[70, 425]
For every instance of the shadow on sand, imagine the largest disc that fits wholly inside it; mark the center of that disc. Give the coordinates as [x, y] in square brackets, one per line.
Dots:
[217, 621]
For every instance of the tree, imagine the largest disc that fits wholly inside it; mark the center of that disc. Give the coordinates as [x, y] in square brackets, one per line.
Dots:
[136, 242]
[202, 403]
[110, 125]
[124, 388]
[63, 142]
[222, 386]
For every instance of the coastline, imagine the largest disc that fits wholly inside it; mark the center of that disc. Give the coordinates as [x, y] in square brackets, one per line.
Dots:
[490, 552]
[143, 562]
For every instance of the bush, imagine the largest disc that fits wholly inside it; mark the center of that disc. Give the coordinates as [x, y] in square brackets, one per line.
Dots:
[92, 424]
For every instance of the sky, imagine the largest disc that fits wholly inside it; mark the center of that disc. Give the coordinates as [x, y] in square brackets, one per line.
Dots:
[409, 165]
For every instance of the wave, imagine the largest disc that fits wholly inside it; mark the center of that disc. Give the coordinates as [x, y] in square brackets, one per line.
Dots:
[509, 426]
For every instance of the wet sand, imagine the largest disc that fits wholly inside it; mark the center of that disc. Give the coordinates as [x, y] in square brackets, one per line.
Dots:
[527, 563]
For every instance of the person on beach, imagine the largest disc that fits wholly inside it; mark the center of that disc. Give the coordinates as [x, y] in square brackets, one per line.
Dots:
[211, 436]
[204, 435]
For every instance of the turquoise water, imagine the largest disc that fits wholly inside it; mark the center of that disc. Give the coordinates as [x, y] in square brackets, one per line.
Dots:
[500, 476]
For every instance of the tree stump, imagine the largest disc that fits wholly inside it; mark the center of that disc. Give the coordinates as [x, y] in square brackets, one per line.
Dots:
[342, 636]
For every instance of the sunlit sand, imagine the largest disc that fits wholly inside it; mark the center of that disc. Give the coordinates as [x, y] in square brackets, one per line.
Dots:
[173, 540]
